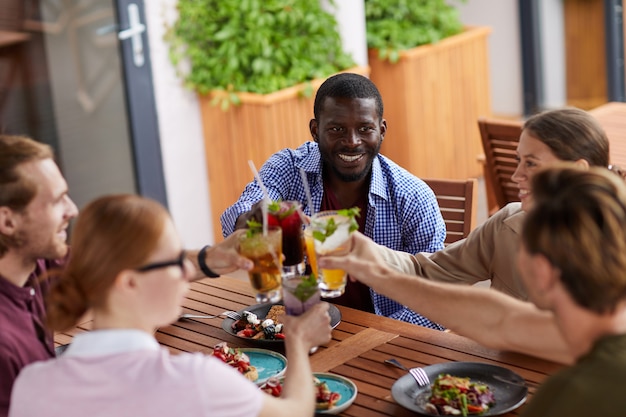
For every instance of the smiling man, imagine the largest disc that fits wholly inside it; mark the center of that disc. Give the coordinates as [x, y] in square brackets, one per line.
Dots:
[344, 169]
[35, 211]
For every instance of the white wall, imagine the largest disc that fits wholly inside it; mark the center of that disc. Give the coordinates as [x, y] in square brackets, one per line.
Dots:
[504, 50]
[552, 32]
[350, 15]
[181, 135]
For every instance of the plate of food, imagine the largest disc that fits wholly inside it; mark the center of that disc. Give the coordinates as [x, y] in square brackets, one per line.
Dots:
[476, 388]
[257, 365]
[333, 393]
[255, 324]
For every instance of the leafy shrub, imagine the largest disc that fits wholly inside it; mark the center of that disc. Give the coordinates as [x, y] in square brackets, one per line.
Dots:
[257, 46]
[396, 25]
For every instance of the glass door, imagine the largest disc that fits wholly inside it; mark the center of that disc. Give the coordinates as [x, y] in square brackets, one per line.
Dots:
[64, 76]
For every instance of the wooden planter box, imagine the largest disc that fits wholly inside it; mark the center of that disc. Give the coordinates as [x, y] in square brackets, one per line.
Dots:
[433, 97]
[254, 130]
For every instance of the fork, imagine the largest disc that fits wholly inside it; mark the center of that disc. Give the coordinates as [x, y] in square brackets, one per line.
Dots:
[230, 314]
[419, 374]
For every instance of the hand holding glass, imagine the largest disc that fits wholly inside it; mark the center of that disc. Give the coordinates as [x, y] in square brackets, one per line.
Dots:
[265, 250]
[300, 293]
[331, 233]
[286, 214]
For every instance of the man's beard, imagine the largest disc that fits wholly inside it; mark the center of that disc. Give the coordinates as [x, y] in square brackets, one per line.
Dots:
[357, 176]
[34, 249]
[353, 177]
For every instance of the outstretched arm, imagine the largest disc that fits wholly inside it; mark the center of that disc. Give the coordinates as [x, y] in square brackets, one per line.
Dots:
[302, 333]
[221, 258]
[489, 317]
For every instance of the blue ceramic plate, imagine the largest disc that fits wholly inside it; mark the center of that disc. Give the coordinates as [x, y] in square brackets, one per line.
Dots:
[266, 362]
[343, 386]
[509, 389]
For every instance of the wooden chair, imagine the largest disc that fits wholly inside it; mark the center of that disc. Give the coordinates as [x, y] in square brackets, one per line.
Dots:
[457, 203]
[500, 139]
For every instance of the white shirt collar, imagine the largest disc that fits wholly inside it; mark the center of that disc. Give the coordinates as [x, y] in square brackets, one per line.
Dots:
[110, 341]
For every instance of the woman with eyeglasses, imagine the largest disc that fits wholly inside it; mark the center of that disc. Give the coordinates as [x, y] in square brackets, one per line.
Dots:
[128, 269]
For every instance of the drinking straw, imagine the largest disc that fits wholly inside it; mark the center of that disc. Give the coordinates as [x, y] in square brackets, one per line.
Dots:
[266, 199]
[307, 191]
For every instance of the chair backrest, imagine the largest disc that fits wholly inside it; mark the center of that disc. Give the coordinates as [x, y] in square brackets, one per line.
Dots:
[457, 202]
[500, 139]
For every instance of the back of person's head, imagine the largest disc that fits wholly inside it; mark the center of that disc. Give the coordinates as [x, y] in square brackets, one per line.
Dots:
[16, 189]
[111, 234]
[578, 222]
[571, 134]
[347, 85]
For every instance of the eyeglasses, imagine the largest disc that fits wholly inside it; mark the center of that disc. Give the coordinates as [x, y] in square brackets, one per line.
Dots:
[180, 262]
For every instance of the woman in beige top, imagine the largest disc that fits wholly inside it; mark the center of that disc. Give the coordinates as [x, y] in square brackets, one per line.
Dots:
[488, 253]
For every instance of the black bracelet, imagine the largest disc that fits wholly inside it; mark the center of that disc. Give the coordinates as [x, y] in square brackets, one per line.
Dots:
[202, 263]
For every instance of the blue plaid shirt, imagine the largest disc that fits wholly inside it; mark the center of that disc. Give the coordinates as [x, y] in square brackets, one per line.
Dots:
[402, 213]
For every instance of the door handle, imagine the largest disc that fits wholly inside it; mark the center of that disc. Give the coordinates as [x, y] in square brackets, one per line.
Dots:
[134, 31]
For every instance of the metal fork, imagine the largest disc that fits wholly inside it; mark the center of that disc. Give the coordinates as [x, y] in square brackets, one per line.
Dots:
[230, 314]
[419, 374]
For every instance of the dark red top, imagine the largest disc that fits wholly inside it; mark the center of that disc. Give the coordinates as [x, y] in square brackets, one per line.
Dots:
[357, 295]
[23, 338]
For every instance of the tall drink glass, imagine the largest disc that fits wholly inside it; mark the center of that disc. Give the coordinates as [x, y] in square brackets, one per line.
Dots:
[331, 233]
[310, 249]
[265, 251]
[300, 292]
[286, 214]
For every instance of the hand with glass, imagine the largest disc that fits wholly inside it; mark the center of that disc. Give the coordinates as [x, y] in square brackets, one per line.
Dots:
[331, 232]
[288, 215]
[263, 246]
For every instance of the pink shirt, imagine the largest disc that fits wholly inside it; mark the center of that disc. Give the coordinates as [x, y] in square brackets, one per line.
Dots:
[126, 373]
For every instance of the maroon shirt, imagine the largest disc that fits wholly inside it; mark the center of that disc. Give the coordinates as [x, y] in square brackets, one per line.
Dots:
[23, 338]
[357, 295]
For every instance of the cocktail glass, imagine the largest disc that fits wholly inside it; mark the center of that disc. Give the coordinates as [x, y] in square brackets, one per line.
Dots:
[265, 251]
[300, 292]
[335, 229]
[286, 214]
[310, 249]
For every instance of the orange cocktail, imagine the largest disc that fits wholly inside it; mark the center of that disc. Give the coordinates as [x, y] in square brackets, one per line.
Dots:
[331, 236]
[310, 249]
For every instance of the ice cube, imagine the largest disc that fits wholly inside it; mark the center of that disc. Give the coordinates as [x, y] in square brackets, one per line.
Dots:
[335, 240]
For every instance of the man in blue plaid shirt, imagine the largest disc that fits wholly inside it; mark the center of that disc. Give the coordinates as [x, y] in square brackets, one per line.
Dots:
[344, 169]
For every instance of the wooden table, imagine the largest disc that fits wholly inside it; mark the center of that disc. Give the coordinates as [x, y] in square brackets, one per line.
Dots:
[612, 117]
[360, 344]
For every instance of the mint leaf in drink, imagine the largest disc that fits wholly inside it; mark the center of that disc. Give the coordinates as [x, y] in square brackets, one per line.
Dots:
[281, 209]
[352, 213]
[306, 288]
[331, 225]
[329, 229]
[254, 228]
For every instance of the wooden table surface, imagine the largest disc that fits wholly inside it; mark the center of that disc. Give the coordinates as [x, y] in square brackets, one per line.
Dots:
[360, 344]
[612, 117]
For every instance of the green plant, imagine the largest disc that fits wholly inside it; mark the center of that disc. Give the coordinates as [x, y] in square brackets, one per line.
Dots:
[396, 25]
[257, 46]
